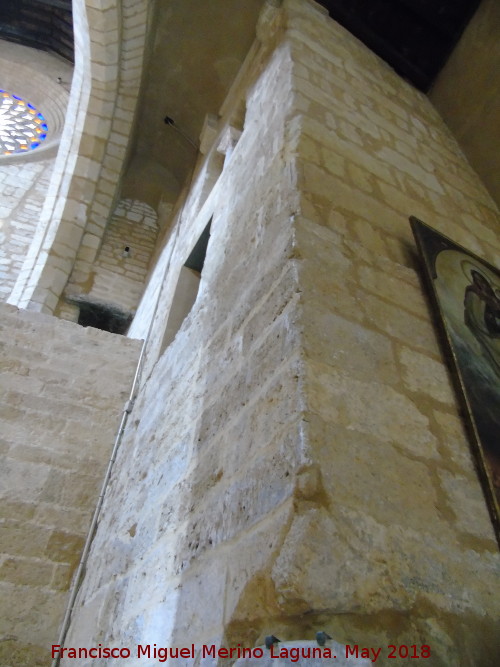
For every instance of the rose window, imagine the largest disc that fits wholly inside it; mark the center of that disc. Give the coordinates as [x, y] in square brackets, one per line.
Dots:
[22, 126]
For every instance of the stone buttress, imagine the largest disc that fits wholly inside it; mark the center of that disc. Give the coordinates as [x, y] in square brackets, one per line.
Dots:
[296, 461]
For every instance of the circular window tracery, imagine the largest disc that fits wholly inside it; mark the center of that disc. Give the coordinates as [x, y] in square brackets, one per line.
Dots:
[22, 126]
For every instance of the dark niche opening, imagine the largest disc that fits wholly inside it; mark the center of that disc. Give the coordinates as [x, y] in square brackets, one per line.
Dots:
[196, 259]
[104, 316]
[186, 290]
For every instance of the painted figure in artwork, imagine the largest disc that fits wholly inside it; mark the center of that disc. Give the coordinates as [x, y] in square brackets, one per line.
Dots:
[482, 316]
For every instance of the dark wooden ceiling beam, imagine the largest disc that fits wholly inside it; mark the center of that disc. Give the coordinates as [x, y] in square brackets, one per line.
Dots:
[444, 17]
[414, 36]
[59, 4]
[46, 25]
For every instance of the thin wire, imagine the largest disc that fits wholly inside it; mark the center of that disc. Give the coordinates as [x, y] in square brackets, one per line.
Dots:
[170, 121]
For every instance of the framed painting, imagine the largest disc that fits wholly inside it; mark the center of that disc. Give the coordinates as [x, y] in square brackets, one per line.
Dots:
[465, 291]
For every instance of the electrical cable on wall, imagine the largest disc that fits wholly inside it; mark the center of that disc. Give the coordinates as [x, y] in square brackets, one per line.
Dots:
[170, 121]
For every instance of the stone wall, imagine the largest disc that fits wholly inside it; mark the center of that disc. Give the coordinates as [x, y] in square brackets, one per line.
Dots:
[395, 519]
[221, 403]
[467, 94]
[296, 460]
[110, 47]
[119, 275]
[63, 391]
[24, 179]
[22, 192]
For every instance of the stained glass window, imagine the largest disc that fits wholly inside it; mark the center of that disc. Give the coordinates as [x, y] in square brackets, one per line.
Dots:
[22, 126]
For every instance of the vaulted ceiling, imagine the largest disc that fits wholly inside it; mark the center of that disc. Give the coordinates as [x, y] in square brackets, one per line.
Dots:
[414, 36]
[199, 46]
[41, 24]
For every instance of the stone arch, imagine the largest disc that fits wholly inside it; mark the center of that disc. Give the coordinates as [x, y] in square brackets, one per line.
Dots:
[33, 76]
[83, 188]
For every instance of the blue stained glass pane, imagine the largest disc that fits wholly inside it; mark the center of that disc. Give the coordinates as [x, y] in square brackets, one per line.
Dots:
[23, 126]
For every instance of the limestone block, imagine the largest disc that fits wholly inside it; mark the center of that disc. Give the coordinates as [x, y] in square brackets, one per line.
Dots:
[342, 344]
[26, 572]
[424, 374]
[467, 500]
[330, 575]
[382, 494]
[25, 543]
[371, 408]
[455, 442]
[231, 508]
[58, 448]
[406, 328]
[390, 287]
[323, 248]
[14, 472]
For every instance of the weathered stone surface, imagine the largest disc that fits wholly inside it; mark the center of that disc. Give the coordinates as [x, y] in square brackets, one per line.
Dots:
[291, 444]
[426, 375]
[348, 346]
[67, 386]
[295, 458]
[372, 408]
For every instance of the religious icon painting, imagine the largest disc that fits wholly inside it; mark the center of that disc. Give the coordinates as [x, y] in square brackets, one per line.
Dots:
[465, 292]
